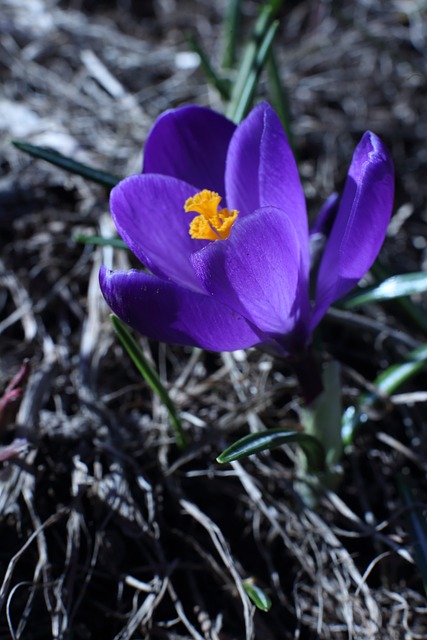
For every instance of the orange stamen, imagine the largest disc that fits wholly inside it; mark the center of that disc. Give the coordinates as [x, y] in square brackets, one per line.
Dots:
[209, 224]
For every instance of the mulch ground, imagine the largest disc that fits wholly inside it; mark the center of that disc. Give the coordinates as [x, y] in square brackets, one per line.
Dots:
[107, 530]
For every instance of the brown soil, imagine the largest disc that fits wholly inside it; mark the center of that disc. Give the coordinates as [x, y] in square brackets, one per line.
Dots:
[107, 530]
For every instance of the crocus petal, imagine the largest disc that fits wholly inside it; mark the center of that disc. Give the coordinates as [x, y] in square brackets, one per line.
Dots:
[360, 225]
[148, 211]
[190, 143]
[169, 313]
[320, 231]
[326, 216]
[256, 270]
[261, 171]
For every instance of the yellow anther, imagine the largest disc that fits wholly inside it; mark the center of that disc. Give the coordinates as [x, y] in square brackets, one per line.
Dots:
[209, 224]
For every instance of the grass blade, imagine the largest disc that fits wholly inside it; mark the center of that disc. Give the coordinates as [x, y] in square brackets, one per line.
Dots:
[404, 305]
[257, 595]
[393, 377]
[149, 375]
[271, 438]
[222, 85]
[231, 30]
[417, 524]
[253, 61]
[279, 97]
[398, 286]
[117, 243]
[386, 383]
[63, 162]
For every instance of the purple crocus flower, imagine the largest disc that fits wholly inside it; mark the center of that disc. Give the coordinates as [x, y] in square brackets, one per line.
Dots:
[219, 219]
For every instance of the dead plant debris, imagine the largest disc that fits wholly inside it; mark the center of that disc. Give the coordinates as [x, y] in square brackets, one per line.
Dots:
[107, 531]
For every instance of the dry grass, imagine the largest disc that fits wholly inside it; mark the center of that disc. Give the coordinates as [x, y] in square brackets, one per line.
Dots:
[107, 531]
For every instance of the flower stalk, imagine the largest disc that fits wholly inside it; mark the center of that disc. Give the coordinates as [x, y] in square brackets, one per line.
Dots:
[309, 377]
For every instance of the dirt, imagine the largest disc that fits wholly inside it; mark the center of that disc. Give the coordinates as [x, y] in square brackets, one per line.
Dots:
[107, 529]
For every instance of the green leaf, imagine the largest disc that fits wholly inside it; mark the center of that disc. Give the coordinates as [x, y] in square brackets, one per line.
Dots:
[149, 375]
[395, 287]
[386, 383]
[253, 61]
[392, 378]
[257, 595]
[417, 524]
[279, 96]
[231, 31]
[405, 305]
[44, 153]
[222, 85]
[271, 438]
[117, 243]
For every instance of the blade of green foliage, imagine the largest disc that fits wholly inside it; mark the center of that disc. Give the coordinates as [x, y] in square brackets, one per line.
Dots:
[149, 375]
[393, 377]
[231, 32]
[404, 305]
[417, 524]
[271, 438]
[253, 61]
[279, 96]
[257, 595]
[222, 85]
[117, 243]
[44, 153]
[386, 383]
[395, 287]
[243, 102]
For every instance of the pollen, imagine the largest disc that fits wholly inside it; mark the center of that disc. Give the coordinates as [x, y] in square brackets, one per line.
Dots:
[210, 223]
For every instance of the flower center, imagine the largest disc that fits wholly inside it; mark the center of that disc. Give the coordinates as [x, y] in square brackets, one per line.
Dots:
[209, 224]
